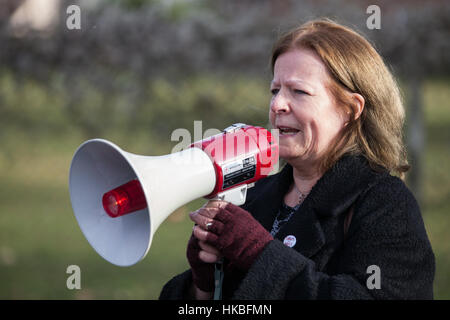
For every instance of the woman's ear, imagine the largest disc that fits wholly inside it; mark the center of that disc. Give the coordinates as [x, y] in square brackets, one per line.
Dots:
[358, 105]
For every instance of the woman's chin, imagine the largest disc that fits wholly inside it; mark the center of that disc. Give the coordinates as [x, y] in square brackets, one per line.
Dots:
[287, 153]
[289, 148]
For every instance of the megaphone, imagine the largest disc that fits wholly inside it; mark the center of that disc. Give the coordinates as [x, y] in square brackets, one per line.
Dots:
[120, 199]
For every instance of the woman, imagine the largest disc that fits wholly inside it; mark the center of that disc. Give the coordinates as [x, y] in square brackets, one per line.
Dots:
[334, 223]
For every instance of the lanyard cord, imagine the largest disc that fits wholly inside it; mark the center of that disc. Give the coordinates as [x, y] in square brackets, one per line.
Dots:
[218, 279]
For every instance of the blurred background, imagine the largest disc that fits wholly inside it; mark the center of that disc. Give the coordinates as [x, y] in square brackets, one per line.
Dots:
[135, 71]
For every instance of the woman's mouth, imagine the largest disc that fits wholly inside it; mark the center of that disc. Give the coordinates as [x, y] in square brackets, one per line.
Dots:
[287, 131]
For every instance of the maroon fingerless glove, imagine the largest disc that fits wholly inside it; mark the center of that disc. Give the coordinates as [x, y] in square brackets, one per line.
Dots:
[202, 272]
[238, 236]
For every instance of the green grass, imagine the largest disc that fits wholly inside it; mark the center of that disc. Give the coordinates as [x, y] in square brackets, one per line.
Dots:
[436, 207]
[40, 238]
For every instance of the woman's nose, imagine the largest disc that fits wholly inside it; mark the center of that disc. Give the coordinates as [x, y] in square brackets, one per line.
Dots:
[279, 103]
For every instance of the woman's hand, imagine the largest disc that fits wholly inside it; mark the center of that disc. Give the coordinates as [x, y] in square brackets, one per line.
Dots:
[201, 257]
[230, 230]
[202, 273]
[207, 253]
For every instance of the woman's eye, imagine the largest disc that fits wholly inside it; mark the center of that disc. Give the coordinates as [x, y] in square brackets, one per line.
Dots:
[274, 91]
[298, 91]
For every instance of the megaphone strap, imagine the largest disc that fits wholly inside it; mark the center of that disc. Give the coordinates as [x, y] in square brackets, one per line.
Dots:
[218, 280]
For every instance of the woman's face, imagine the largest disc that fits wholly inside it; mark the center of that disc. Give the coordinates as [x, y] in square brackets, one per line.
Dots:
[302, 107]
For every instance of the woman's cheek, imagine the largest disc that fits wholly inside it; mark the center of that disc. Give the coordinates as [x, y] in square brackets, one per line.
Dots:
[272, 119]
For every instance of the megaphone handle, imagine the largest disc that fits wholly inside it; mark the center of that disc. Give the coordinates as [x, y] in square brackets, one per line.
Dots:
[236, 195]
[218, 279]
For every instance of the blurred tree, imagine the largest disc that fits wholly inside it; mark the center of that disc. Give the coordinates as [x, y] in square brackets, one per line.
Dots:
[107, 71]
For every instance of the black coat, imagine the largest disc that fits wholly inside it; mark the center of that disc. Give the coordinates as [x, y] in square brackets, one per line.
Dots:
[386, 230]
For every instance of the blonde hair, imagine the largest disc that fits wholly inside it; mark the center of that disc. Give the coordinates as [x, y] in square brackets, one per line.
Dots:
[355, 67]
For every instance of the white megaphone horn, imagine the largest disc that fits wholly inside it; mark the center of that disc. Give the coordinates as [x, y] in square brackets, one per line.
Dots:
[120, 199]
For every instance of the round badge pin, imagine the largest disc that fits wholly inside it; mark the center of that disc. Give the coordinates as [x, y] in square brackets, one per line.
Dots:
[290, 241]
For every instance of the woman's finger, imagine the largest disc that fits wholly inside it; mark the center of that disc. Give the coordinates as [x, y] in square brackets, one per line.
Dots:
[206, 223]
[208, 257]
[215, 204]
[204, 235]
[203, 221]
[207, 212]
[208, 248]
